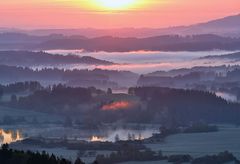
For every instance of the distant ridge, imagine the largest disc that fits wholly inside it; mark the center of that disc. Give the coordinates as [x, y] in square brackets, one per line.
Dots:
[203, 42]
[221, 34]
[159, 43]
[27, 58]
[227, 26]
[233, 56]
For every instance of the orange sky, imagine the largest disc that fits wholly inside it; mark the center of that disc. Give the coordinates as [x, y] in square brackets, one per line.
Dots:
[80, 14]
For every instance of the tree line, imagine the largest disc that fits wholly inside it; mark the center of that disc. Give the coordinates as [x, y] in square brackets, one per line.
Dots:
[10, 156]
[184, 106]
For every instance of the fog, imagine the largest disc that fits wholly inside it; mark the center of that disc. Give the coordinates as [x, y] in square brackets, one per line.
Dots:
[142, 56]
[124, 134]
[146, 61]
[227, 96]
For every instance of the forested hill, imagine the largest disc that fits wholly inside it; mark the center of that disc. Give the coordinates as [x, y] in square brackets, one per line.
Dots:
[179, 105]
[84, 78]
[158, 43]
[121, 44]
[28, 58]
[166, 106]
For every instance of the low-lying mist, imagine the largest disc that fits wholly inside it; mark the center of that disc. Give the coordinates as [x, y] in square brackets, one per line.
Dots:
[147, 61]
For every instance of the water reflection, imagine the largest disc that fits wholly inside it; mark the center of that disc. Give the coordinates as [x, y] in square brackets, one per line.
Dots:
[9, 136]
[97, 139]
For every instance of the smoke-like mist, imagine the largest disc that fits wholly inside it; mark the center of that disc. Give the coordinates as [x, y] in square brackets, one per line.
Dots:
[145, 62]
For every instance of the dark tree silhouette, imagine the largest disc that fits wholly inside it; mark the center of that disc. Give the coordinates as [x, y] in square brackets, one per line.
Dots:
[9, 156]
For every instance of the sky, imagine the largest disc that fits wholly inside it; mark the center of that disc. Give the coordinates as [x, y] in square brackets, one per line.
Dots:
[35, 14]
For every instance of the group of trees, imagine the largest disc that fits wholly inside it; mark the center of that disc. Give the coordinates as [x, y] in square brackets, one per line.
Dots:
[215, 79]
[184, 106]
[157, 105]
[9, 156]
[84, 145]
[173, 107]
[85, 78]
[221, 158]
[17, 87]
[29, 58]
[46, 74]
[56, 98]
[130, 154]
[126, 154]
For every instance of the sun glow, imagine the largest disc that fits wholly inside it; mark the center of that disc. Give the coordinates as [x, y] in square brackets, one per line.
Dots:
[120, 105]
[115, 4]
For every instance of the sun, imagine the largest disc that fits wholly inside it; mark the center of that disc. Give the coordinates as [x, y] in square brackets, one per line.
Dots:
[115, 4]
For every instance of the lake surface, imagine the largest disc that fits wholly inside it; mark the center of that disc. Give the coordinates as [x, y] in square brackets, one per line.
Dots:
[58, 131]
[200, 144]
[145, 61]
